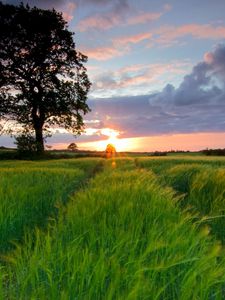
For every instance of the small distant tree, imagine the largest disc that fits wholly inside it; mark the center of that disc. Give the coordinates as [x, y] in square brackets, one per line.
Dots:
[72, 147]
[49, 147]
[110, 151]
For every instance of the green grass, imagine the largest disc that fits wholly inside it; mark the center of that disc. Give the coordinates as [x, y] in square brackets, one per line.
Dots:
[31, 192]
[123, 237]
[202, 184]
[207, 195]
[143, 228]
[160, 164]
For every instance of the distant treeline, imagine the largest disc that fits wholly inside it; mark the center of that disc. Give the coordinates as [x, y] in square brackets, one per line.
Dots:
[219, 152]
[164, 153]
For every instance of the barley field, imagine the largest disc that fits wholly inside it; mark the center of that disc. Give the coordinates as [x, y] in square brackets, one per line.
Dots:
[123, 228]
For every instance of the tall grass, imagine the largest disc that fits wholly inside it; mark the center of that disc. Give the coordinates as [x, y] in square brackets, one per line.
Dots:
[122, 238]
[31, 192]
[160, 164]
[207, 195]
[202, 182]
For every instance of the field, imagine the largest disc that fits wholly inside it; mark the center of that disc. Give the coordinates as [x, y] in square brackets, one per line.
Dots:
[123, 228]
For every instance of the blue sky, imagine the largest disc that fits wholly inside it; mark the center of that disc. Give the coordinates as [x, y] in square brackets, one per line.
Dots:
[157, 68]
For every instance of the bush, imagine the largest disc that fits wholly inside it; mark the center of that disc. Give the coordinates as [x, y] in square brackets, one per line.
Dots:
[26, 143]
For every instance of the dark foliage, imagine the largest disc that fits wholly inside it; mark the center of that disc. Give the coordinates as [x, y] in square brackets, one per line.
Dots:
[158, 153]
[26, 143]
[72, 147]
[218, 152]
[42, 78]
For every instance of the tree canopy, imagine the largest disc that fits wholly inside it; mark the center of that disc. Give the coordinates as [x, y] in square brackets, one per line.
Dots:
[72, 147]
[43, 81]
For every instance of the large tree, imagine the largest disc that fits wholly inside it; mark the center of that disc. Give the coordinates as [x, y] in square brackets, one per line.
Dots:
[43, 82]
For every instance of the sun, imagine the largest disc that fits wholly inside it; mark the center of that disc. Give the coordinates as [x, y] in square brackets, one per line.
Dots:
[113, 137]
[119, 144]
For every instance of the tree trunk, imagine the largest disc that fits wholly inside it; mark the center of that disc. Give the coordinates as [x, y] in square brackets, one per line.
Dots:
[39, 139]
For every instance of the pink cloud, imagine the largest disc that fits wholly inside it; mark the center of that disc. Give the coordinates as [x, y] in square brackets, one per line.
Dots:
[167, 36]
[99, 22]
[139, 75]
[116, 17]
[68, 11]
[102, 53]
[144, 18]
[151, 73]
[134, 39]
[167, 7]
[170, 34]
[208, 57]
[111, 20]
[109, 52]
[132, 68]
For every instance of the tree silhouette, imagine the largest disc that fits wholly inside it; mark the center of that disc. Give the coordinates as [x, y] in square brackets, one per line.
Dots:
[72, 147]
[43, 81]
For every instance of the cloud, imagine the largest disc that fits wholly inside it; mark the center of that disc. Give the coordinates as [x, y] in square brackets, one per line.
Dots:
[68, 11]
[136, 79]
[118, 47]
[121, 13]
[132, 39]
[99, 22]
[196, 105]
[204, 85]
[167, 7]
[67, 7]
[168, 35]
[144, 18]
[107, 19]
[102, 53]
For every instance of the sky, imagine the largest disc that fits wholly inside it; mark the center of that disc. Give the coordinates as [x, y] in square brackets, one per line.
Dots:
[157, 70]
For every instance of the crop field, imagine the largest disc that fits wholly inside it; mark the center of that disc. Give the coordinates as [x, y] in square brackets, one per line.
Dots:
[123, 228]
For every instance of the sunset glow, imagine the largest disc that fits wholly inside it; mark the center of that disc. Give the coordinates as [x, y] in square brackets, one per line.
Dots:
[192, 142]
[113, 138]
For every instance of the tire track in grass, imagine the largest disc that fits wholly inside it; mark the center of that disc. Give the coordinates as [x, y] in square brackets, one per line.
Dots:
[122, 237]
[32, 194]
